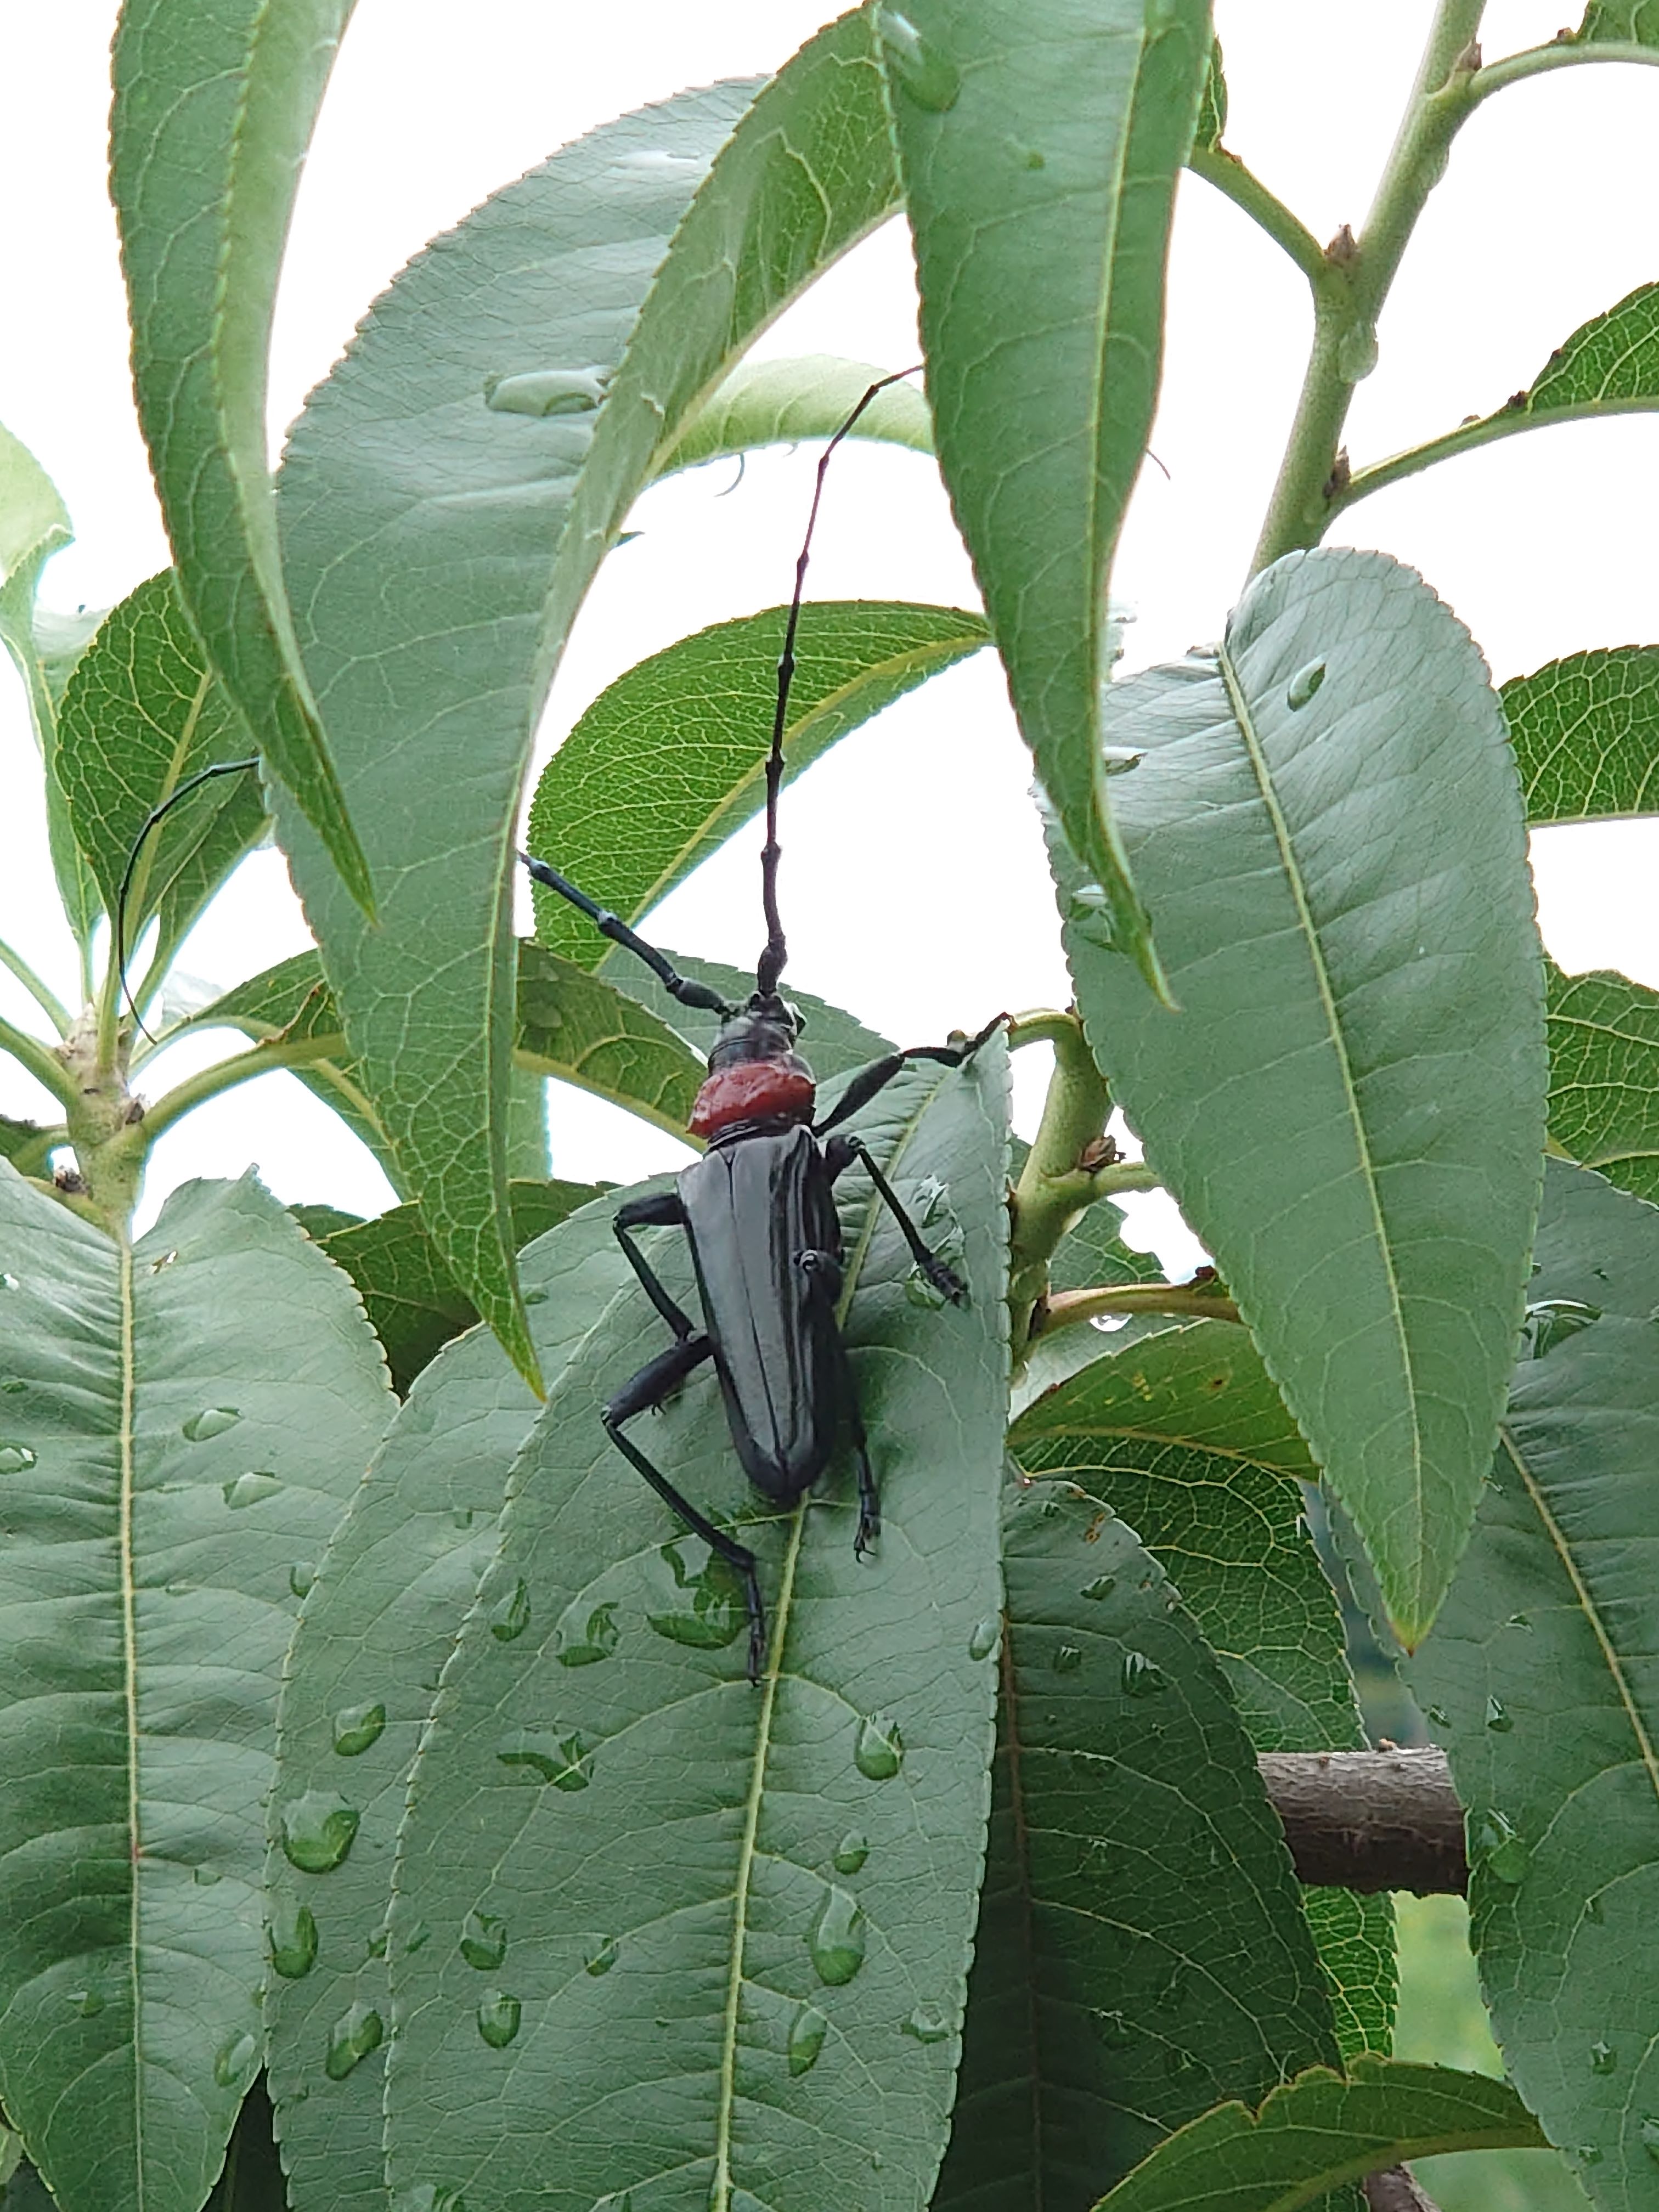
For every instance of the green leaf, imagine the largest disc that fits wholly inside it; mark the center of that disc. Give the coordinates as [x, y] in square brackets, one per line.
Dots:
[1104, 2009]
[389, 1597]
[670, 761]
[735, 1909]
[1212, 106]
[1613, 358]
[1320, 2130]
[1634, 22]
[1538, 1680]
[252, 2178]
[1325, 818]
[1186, 1436]
[26, 1144]
[833, 1040]
[770, 403]
[497, 522]
[213, 111]
[1040, 176]
[1604, 1076]
[1586, 731]
[140, 714]
[413, 1302]
[180, 1423]
[34, 524]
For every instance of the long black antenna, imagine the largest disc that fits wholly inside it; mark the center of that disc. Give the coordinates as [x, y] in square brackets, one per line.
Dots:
[153, 821]
[685, 989]
[772, 960]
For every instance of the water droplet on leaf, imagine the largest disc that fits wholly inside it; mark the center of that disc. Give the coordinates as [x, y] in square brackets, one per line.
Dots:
[1102, 1586]
[1439, 1716]
[547, 392]
[356, 1727]
[417, 1939]
[1551, 1322]
[718, 1613]
[851, 1852]
[985, 1638]
[301, 1577]
[13, 1386]
[597, 1640]
[511, 1616]
[836, 1943]
[352, 2037]
[563, 1760]
[484, 1941]
[1116, 2031]
[1068, 1657]
[317, 1830]
[88, 2003]
[233, 2060]
[927, 2024]
[1603, 2058]
[7, 1282]
[601, 1955]
[14, 1458]
[1650, 2135]
[423, 2198]
[206, 1876]
[879, 1752]
[1593, 1908]
[1141, 1679]
[925, 75]
[806, 2033]
[249, 1489]
[211, 1421]
[1495, 1845]
[1303, 684]
[1499, 1720]
[498, 2018]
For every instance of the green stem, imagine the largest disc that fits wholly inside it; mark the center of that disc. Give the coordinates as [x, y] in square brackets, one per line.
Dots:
[225, 1074]
[1357, 280]
[1564, 53]
[51, 1006]
[1246, 190]
[1468, 437]
[1065, 1307]
[41, 1061]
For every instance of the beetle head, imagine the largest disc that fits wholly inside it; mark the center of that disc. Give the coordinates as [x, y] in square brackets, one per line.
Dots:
[766, 1028]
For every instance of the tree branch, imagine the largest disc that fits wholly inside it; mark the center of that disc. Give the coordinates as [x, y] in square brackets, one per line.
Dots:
[1561, 53]
[1369, 1819]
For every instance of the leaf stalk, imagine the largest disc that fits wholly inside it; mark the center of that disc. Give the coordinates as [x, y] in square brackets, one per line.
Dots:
[1559, 53]
[1231, 178]
[50, 1005]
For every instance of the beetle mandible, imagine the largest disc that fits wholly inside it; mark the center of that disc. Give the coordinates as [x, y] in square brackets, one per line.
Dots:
[758, 1212]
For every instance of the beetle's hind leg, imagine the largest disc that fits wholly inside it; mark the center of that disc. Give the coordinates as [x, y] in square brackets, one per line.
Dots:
[651, 1388]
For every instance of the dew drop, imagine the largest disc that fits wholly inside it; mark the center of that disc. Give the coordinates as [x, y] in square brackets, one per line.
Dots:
[1141, 1679]
[88, 2003]
[565, 1761]
[301, 1577]
[985, 1638]
[14, 1458]
[318, 1831]
[462, 1517]
[928, 76]
[424, 2197]
[1518, 1621]
[249, 1489]
[484, 1941]
[177, 1589]
[1356, 352]
[356, 1727]
[1102, 1586]
[601, 1955]
[353, 2036]
[211, 1421]
[717, 1614]
[851, 1852]
[1603, 2058]
[7, 1282]
[204, 1877]
[1493, 1842]
[1439, 1715]
[1177, 2062]
[498, 2018]
[597, 1640]
[879, 1752]
[12, 1387]
[1068, 1657]
[547, 392]
[1303, 684]
[511, 1617]
[1650, 2135]
[233, 2060]
[1116, 2031]
[835, 1945]
[378, 1944]
[417, 1939]
[1551, 1322]
[1593, 1908]
[1589, 2153]
[1498, 1718]
[806, 2033]
[926, 2024]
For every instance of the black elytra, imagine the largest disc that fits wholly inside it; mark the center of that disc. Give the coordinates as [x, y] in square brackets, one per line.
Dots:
[758, 1212]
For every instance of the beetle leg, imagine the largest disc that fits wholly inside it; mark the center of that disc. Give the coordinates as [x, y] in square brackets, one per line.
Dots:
[880, 1073]
[839, 1154]
[657, 1382]
[823, 1270]
[660, 1209]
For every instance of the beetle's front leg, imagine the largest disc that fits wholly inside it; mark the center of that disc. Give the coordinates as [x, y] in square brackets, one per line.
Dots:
[865, 1085]
[838, 1155]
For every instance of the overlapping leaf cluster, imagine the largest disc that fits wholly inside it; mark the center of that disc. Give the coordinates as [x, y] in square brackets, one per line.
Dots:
[526, 1894]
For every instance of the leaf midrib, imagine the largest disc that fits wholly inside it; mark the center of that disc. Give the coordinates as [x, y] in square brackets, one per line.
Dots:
[719, 2196]
[130, 1691]
[1283, 841]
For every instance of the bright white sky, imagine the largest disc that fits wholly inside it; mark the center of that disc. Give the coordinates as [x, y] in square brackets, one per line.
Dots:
[914, 884]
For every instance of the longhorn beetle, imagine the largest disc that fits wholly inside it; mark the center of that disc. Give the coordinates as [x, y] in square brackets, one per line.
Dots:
[758, 1209]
